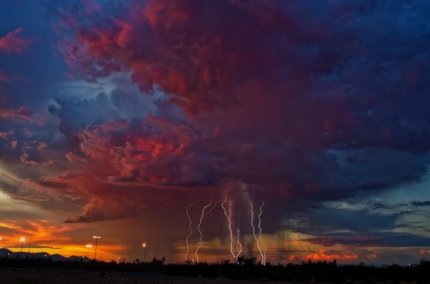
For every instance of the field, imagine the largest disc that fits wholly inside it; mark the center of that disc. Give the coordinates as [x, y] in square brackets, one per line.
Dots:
[54, 276]
[46, 271]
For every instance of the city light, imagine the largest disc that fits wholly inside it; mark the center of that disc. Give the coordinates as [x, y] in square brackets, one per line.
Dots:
[144, 251]
[88, 247]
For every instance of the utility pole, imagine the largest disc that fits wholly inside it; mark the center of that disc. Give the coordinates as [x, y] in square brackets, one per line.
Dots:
[22, 240]
[29, 246]
[325, 253]
[95, 251]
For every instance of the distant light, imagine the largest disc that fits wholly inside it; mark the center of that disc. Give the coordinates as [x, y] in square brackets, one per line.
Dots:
[88, 246]
[22, 239]
[97, 237]
[1, 239]
[144, 245]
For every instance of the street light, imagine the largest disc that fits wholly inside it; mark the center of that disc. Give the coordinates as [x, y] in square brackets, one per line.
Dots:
[22, 240]
[143, 247]
[95, 252]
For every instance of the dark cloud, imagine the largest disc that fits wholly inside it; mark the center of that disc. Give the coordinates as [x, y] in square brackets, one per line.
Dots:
[420, 203]
[325, 220]
[382, 239]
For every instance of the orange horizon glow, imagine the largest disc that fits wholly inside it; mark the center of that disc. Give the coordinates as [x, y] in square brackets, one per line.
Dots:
[42, 237]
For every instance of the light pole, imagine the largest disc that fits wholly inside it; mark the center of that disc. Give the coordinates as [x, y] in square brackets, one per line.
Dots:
[88, 246]
[22, 240]
[143, 247]
[95, 251]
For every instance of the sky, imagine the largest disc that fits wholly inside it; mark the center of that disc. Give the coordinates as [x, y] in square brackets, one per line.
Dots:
[208, 130]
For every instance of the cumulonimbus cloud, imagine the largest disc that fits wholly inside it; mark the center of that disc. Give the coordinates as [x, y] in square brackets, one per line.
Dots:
[274, 93]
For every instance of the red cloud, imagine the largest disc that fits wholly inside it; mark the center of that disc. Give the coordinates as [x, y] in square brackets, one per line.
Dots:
[199, 67]
[12, 42]
[21, 114]
[236, 68]
[156, 151]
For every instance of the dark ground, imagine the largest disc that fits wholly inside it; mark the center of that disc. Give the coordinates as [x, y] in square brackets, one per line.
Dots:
[28, 269]
[64, 276]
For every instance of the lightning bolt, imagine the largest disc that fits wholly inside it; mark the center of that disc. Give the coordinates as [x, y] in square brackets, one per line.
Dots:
[251, 205]
[238, 243]
[239, 252]
[263, 256]
[229, 225]
[202, 216]
[190, 230]
[230, 229]
[213, 208]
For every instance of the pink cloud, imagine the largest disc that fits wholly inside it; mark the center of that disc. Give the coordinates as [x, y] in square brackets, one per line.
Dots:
[147, 157]
[24, 158]
[4, 135]
[13, 42]
[20, 114]
[14, 144]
